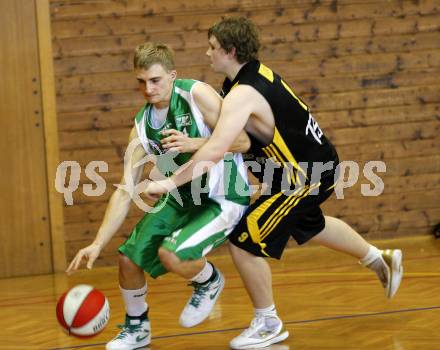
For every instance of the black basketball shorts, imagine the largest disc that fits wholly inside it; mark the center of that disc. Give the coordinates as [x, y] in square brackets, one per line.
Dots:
[269, 222]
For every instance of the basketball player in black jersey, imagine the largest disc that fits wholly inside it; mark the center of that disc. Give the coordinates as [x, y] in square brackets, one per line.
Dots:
[298, 166]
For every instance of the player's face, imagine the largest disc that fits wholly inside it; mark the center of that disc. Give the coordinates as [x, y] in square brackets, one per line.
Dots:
[218, 56]
[156, 84]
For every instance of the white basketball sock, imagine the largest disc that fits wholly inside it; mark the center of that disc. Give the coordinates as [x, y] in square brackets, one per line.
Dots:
[134, 300]
[205, 274]
[374, 261]
[267, 311]
[372, 254]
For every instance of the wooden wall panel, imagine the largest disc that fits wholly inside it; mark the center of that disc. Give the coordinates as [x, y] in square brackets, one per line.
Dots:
[50, 134]
[369, 70]
[25, 247]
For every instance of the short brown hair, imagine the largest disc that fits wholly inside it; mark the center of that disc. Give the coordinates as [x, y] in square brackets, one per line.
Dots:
[149, 53]
[238, 32]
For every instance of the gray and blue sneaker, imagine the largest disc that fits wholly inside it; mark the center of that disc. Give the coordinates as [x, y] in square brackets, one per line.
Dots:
[135, 333]
[202, 300]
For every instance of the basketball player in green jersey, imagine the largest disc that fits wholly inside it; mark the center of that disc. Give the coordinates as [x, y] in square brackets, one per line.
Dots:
[285, 135]
[182, 228]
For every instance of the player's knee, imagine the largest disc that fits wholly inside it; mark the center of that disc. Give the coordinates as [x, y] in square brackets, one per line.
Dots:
[168, 259]
[126, 266]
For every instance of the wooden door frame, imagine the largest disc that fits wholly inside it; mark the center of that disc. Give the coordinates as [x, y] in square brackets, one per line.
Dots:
[48, 97]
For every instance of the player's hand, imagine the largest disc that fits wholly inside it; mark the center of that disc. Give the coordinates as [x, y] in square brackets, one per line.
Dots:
[90, 253]
[155, 189]
[177, 141]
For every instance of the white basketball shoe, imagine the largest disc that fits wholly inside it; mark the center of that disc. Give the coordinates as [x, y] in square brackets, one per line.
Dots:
[202, 301]
[135, 333]
[387, 264]
[393, 263]
[263, 331]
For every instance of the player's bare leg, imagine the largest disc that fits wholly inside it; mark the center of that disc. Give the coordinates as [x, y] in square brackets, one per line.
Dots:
[386, 264]
[266, 327]
[206, 279]
[136, 331]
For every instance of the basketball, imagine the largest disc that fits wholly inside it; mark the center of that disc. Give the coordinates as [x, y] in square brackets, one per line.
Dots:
[83, 311]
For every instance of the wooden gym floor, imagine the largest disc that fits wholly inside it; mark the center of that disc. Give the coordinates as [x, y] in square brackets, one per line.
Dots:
[326, 300]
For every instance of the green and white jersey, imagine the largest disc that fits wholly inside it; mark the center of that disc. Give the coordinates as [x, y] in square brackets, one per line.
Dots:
[227, 180]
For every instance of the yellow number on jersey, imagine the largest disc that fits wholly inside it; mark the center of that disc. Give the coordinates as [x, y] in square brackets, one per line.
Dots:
[243, 237]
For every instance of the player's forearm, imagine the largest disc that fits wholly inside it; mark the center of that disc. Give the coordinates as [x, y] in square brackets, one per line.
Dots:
[201, 162]
[115, 215]
[240, 145]
[197, 143]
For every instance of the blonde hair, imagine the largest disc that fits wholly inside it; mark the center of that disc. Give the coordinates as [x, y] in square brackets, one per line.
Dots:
[149, 53]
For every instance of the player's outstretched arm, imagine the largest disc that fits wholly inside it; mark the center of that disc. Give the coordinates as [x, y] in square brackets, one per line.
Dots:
[116, 211]
[235, 112]
[209, 103]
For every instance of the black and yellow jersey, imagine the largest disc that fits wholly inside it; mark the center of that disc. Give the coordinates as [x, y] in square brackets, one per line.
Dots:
[298, 143]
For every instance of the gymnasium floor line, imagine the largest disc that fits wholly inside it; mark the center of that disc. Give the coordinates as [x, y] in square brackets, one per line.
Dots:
[332, 318]
[368, 279]
[285, 270]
